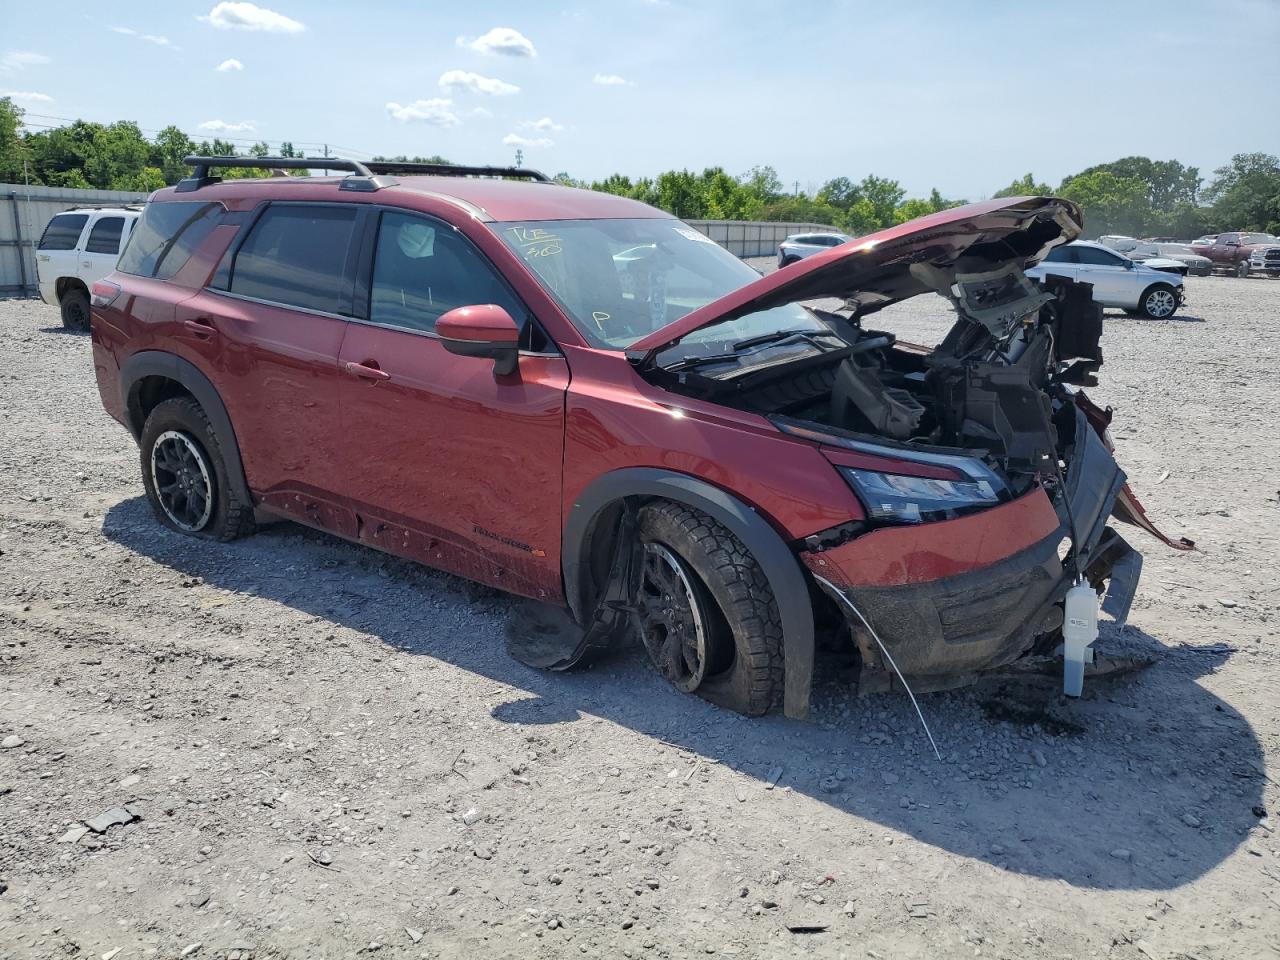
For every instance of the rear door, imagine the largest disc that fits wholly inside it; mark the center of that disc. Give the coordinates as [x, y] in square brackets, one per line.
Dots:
[448, 463]
[101, 247]
[58, 251]
[272, 323]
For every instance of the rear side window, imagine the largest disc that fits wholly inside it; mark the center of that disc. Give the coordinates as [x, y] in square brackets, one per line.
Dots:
[1058, 255]
[1092, 256]
[296, 255]
[63, 231]
[105, 236]
[166, 235]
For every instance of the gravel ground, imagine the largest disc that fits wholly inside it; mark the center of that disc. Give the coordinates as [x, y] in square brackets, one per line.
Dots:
[328, 752]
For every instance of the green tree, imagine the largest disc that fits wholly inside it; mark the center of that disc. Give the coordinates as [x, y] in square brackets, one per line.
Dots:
[1025, 186]
[762, 183]
[1245, 194]
[1168, 182]
[839, 192]
[1111, 204]
[13, 148]
[170, 147]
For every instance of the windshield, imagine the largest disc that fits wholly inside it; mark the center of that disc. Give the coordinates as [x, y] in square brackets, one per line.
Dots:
[620, 280]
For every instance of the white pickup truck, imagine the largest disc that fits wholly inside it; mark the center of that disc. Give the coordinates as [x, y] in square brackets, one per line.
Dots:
[78, 248]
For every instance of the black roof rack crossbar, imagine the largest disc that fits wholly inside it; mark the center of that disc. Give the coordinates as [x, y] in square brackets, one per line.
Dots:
[455, 170]
[365, 176]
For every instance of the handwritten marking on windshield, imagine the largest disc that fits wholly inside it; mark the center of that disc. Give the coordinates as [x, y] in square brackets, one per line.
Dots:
[536, 242]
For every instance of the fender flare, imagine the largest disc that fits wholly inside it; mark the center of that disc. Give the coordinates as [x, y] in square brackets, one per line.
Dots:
[157, 363]
[780, 565]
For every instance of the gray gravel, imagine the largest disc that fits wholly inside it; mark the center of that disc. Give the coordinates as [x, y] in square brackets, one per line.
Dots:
[307, 749]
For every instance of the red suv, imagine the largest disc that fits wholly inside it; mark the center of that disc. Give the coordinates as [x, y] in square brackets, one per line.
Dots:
[577, 398]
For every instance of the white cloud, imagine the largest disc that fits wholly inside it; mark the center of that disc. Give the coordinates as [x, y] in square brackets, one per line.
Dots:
[515, 140]
[158, 41]
[546, 124]
[611, 80]
[502, 41]
[250, 16]
[28, 95]
[15, 60]
[481, 112]
[221, 126]
[437, 112]
[474, 83]
[226, 66]
[127, 31]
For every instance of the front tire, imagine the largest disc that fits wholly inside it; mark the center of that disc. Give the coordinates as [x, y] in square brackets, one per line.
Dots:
[185, 474]
[1159, 302]
[1242, 269]
[708, 617]
[75, 310]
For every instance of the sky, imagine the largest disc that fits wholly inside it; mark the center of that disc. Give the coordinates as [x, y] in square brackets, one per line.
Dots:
[961, 96]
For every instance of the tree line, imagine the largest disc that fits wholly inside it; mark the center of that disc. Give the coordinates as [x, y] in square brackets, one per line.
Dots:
[1135, 196]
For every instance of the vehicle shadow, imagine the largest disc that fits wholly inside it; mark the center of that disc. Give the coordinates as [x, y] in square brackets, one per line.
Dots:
[66, 331]
[1146, 783]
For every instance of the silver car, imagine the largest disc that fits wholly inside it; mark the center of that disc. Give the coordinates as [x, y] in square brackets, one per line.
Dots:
[1117, 280]
[801, 245]
[1196, 265]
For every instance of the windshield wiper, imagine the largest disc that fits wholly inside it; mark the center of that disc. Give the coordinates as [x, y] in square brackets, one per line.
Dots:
[692, 361]
[777, 336]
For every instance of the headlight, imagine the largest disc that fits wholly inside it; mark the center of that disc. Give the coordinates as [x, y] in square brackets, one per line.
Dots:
[896, 498]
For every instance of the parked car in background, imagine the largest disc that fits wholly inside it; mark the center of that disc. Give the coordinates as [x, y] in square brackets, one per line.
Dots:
[78, 248]
[577, 398]
[1117, 280]
[801, 245]
[1151, 253]
[1265, 260]
[1118, 242]
[1234, 252]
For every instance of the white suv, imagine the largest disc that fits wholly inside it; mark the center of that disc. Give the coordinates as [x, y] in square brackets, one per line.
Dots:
[80, 247]
[801, 245]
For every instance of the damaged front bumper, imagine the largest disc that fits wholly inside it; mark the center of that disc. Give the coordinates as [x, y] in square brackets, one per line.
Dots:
[950, 600]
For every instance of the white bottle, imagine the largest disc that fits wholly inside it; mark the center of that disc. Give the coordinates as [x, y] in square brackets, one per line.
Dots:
[1079, 630]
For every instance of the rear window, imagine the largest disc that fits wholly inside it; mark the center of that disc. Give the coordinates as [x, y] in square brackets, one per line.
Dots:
[105, 236]
[63, 231]
[166, 235]
[296, 255]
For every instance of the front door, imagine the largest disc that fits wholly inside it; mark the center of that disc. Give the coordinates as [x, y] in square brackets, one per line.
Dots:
[1114, 283]
[447, 463]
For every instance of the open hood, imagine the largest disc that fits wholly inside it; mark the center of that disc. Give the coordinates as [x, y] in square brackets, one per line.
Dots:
[894, 264]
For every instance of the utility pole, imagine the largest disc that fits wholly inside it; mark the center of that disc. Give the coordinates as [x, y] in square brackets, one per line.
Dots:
[519, 157]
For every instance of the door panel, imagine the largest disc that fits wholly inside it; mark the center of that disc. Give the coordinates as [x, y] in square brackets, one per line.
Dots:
[452, 466]
[276, 369]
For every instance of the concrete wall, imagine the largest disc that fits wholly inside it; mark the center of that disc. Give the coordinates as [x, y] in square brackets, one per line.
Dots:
[24, 213]
[752, 239]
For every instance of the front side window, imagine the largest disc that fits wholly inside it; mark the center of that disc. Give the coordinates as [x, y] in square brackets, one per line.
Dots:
[1058, 255]
[105, 235]
[620, 280]
[296, 255]
[166, 235]
[63, 231]
[423, 268]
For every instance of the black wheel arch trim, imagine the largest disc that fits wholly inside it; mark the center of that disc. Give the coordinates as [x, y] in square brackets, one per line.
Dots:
[780, 566]
[157, 363]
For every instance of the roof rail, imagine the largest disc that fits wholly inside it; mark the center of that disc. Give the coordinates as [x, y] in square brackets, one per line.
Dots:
[455, 170]
[365, 177]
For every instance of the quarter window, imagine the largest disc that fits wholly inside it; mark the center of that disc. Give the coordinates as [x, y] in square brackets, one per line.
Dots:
[166, 235]
[105, 236]
[296, 255]
[63, 231]
[423, 268]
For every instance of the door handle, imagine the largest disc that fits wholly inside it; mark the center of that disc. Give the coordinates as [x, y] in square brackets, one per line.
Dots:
[200, 328]
[86, 263]
[365, 372]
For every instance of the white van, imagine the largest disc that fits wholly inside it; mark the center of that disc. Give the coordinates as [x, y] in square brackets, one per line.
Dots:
[80, 247]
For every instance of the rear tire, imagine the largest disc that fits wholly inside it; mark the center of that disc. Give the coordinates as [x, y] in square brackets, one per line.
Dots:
[1159, 302]
[185, 474]
[75, 310]
[716, 631]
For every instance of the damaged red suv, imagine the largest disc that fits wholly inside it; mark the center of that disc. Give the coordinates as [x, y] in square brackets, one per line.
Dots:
[576, 398]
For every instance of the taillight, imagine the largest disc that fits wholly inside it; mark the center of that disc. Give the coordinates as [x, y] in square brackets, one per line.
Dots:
[105, 293]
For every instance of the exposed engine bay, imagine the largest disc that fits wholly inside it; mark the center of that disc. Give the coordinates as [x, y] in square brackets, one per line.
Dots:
[996, 386]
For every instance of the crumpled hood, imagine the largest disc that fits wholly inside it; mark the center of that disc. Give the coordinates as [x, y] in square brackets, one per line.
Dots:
[875, 270]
